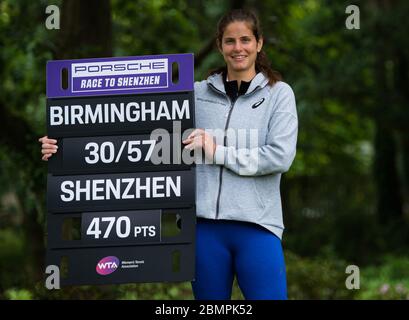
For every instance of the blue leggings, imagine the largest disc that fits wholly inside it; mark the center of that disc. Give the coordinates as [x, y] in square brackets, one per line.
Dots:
[254, 255]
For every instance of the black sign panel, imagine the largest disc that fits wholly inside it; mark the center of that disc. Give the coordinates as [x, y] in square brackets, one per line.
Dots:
[121, 227]
[119, 114]
[150, 263]
[121, 191]
[69, 230]
[128, 153]
[121, 188]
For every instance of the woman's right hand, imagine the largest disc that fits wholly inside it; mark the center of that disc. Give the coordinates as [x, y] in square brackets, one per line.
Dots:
[48, 147]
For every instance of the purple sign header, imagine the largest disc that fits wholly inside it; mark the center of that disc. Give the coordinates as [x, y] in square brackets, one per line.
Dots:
[122, 75]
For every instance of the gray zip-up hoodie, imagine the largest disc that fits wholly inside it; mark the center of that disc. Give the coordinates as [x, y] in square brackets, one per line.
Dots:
[256, 137]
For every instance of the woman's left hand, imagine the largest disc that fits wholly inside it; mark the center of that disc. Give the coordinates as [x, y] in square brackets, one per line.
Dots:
[199, 138]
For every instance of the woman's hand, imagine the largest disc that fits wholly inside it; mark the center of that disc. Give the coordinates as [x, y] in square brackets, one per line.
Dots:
[48, 147]
[199, 138]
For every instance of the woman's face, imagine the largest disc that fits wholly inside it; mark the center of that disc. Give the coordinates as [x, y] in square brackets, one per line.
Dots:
[239, 48]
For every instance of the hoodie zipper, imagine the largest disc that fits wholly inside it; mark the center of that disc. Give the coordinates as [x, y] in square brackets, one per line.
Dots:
[221, 167]
[232, 103]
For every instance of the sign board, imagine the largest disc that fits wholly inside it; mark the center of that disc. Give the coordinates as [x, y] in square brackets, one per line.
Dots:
[121, 179]
[123, 75]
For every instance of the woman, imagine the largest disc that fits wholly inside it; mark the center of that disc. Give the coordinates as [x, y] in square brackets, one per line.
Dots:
[239, 225]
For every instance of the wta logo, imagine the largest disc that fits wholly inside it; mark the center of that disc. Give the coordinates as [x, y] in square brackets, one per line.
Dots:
[107, 265]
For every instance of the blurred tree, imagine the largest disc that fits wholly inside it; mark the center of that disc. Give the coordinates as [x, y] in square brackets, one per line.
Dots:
[344, 165]
[85, 32]
[23, 54]
[86, 29]
[347, 192]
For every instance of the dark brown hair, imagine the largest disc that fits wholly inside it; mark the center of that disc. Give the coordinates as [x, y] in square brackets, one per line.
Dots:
[262, 62]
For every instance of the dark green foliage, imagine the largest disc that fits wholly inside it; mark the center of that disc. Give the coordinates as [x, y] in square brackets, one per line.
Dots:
[346, 196]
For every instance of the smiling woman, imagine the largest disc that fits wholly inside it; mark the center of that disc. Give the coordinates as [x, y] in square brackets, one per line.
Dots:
[238, 203]
[239, 39]
[239, 48]
[240, 221]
